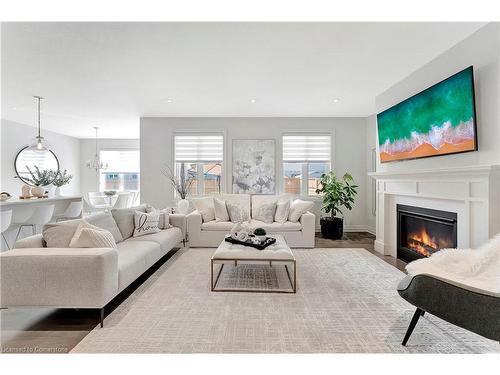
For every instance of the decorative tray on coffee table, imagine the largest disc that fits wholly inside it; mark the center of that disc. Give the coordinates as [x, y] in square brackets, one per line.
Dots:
[259, 246]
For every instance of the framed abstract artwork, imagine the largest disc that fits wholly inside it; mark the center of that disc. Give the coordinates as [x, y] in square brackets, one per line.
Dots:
[254, 166]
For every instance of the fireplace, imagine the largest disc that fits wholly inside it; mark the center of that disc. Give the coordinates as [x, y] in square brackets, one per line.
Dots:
[424, 231]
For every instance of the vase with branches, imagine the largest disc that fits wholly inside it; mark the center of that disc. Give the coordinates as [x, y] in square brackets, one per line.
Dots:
[61, 179]
[337, 194]
[38, 179]
[181, 184]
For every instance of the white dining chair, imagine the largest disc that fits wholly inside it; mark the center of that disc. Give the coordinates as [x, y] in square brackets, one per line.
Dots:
[137, 199]
[73, 211]
[40, 216]
[122, 200]
[6, 219]
[97, 202]
[131, 199]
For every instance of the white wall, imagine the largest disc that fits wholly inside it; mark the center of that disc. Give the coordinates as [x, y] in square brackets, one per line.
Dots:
[15, 136]
[371, 143]
[480, 50]
[89, 178]
[157, 144]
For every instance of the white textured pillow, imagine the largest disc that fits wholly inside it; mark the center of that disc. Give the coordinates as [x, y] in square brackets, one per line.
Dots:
[88, 235]
[237, 213]
[298, 208]
[146, 223]
[205, 206]
[221, 213]
[282, 211]
[265, 212]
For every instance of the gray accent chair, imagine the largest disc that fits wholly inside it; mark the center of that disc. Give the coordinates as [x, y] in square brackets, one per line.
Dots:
[475, 310]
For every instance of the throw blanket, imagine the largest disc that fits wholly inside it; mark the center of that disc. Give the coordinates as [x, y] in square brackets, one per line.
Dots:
[475, 269]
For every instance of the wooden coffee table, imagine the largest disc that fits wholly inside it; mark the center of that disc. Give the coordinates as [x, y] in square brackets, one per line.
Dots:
[275, 255]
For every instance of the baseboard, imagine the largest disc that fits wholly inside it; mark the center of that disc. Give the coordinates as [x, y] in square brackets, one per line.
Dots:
[379, 247]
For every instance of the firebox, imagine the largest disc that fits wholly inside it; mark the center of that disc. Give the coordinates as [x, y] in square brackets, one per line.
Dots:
[424, 231]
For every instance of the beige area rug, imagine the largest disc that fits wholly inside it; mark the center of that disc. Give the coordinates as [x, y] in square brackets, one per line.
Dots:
[346, 302]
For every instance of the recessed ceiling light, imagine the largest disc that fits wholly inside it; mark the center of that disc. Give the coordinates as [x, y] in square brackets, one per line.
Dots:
[336, 100]
[253, 100]
[169, 100]
[14, 108]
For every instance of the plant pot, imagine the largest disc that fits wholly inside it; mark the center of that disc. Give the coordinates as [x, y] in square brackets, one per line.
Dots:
[57, 191]
[37, 191]
[261, 238]
[332, 227]
[183, 206]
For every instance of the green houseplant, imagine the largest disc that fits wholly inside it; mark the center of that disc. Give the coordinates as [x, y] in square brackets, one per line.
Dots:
[337, 193]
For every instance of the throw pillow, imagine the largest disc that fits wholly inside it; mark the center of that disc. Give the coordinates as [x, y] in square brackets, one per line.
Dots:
[164, 216]
[124, 218]
[60, 234]
[298, 208]
[88, 235]
[265, 213]
[146, 223]
[221, 213]
[205, 206]
[282, 211]
[107, 222]
[237, 213]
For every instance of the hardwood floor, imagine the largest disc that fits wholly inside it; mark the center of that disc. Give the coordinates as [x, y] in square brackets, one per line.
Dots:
[59, 330]
[363, 240]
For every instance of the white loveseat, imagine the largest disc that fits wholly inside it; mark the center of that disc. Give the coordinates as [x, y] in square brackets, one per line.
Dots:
[210, 234]
[61, 277]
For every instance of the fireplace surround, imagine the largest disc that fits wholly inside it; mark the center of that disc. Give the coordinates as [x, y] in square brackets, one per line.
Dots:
[422, 232]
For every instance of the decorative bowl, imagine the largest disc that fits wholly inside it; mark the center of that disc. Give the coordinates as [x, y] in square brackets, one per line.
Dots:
[5, 196]
[109, 193]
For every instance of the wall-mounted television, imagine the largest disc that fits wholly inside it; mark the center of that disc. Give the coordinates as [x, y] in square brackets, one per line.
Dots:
[440, 120]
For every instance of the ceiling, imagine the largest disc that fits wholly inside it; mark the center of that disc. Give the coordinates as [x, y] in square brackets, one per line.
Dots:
[111, 74]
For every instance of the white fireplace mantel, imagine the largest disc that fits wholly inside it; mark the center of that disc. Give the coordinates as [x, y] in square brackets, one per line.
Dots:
[473, 192]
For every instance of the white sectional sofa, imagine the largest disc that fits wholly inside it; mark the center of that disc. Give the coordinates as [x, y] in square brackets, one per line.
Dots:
[61, 277]
[210, 234]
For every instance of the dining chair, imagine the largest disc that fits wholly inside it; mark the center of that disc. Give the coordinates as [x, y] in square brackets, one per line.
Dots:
[6, 220]
[96, 202]
[40, 216]
[73, 211]
[122, 200]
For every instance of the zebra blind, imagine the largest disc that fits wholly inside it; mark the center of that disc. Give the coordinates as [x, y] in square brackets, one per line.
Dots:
[199, 148]
[303, 148]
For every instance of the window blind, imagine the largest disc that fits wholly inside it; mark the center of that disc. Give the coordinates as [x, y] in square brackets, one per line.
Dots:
[199, 148]
[303, 148]
[121, 161]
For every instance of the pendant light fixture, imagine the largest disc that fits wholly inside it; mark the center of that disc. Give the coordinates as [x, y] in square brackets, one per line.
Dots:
[39, 145]
[96, 163]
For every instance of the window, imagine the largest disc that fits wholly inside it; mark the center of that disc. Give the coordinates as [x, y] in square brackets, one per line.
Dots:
[200, 158]
[122, 172]
[305, 159]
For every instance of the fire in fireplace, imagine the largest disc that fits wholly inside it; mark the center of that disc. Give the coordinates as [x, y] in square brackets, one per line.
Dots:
[423, 231]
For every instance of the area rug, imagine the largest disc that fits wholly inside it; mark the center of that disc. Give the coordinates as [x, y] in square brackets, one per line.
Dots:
[346, 302]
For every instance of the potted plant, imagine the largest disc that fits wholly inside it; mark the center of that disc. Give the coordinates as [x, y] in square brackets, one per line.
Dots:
[39, 179]
[60, 179]
[181, 184]
[337, 193]
[260, 234]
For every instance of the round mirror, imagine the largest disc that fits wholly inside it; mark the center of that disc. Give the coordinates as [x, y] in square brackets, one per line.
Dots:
[28, 158]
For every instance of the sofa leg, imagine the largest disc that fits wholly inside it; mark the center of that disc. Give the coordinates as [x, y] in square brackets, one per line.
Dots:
[101, 312]
[413, 323]
[422, 313]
